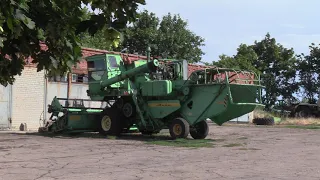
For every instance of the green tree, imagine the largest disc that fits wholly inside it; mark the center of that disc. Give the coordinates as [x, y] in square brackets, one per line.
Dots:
[168, 37]
[309, 70]
[276, 64]
[57, 23]
[143, 33]
[225, 61]
[243, 60]
[97, 40]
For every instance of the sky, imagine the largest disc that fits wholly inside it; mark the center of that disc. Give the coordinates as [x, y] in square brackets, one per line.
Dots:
[225, 24]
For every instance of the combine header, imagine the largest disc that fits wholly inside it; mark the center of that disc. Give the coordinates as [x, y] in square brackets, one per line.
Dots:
[153, 95]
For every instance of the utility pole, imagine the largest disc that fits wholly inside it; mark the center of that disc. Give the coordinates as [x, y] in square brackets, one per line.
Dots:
[69, 87]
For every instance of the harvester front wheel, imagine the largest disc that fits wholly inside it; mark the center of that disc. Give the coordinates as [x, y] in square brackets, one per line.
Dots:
[200, 130]
[179, 128]
[110, 123]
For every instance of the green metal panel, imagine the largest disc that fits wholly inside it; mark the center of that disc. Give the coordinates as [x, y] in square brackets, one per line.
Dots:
[215, 101]
[150, 66]
[203, 102]
[162, 108]
[242, 100]
[156, 88]
[139, 63]
[82, 120]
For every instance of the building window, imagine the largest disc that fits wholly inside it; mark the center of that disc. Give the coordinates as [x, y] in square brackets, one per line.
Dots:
[58, 78]
[75, 78]
[80, 78]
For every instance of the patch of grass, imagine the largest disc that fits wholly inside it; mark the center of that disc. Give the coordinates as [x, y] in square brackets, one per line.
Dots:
[218, 140]
[299, 121]
[232, 145]
[242, 138]
[303, 127]
[192, 143]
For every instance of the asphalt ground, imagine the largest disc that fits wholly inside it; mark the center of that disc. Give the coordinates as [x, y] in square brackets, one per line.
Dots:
[237, 152]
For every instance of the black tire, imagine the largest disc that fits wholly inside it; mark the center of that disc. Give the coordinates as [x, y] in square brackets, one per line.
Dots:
[200, 130]
[179, 128]
[110, 122]
[304, 112]
[263, 121]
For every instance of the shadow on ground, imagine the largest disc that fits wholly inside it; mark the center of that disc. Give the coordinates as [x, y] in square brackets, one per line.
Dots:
[161, 138]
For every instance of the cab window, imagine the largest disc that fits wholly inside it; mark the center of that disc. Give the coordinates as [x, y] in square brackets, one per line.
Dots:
[113, 62]
[96, 65]
[96, 69]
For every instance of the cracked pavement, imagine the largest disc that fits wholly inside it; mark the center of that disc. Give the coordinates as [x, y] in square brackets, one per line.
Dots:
[253, 153]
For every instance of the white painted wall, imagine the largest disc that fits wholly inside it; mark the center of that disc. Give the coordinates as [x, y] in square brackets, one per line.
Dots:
[5, 106]
[28, 98]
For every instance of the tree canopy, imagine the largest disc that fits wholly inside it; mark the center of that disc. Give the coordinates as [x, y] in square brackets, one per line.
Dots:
[276, 64]
[168, 37]
[57, 23]
[308, 73]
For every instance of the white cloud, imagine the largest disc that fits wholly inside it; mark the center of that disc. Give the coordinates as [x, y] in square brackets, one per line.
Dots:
[303, 35]
[293, 26]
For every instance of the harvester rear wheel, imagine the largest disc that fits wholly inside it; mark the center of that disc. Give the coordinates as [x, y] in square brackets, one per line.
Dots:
[179, 128]
[110, 122]
[200, 130]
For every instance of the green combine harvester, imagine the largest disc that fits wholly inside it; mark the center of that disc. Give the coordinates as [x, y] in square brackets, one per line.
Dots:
[151, 95]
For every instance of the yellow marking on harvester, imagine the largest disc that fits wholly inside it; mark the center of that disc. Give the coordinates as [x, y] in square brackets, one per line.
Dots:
[163, 104]
[74, 118]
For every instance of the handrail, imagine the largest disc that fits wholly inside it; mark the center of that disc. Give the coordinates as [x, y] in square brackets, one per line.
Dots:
[246, 77]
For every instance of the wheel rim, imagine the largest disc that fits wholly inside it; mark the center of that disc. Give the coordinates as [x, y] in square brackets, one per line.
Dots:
[106, 123]
[199, 128]
[304, 114]
[177, 129]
